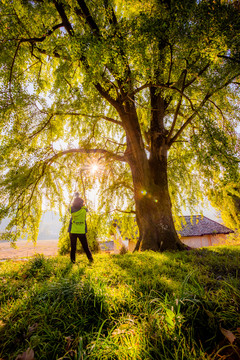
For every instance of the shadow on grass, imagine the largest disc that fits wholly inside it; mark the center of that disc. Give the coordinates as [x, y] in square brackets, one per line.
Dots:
[133, 306]
[50, 312]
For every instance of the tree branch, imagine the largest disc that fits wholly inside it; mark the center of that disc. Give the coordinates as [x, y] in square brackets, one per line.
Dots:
[229, 58]
[188, 121]
[88, 151]
[124, 211]
[171, 64]
[11, 69]
[145, 86]
[90, 116]
[98, 86]
[55, 54]
[177, 108]
[89, 19]
[95, 29]
[65, 21]
[199, 74]
[112, 19]
[218, 108]
[42, 128]
[105, 94]
[161, 86]
[29, 67]
[42, 38]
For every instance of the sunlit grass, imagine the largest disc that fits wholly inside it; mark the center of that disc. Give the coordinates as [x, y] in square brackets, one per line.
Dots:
[133, 306]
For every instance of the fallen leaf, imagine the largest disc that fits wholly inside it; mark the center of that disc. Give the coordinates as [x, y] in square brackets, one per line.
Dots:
[228, 334]
[32, 328]
[69, 341]
[27, 355]
[1, 324]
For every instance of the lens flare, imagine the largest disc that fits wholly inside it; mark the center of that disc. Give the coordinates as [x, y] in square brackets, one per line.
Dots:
[94, 168]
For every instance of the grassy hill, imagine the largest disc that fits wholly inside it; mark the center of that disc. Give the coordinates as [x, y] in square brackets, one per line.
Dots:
[133, 306]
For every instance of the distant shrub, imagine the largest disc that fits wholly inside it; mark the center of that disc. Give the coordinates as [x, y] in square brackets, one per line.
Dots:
[64, 244]
[123, 250]
[38, 266]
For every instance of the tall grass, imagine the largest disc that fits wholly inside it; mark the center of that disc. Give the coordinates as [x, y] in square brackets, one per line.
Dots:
[135, 306]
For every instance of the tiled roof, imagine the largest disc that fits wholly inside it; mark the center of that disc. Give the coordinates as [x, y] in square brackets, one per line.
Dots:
[198, 225]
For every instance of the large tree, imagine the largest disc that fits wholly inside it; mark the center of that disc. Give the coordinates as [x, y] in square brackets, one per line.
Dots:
[132, 82]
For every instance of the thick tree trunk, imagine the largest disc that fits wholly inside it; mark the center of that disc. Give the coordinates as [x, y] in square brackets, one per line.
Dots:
[154, 215]
[149, 175]
[152, 200]
[155, 222]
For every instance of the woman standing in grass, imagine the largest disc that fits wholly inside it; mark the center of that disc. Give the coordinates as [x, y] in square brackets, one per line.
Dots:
[78, 228]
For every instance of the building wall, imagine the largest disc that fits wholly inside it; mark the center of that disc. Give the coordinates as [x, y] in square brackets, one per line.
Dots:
[205, 240]
[192, 241]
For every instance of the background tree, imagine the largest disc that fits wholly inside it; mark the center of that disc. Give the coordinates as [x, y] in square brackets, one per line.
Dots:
[220, 146]
[224, 194]
[135, 85]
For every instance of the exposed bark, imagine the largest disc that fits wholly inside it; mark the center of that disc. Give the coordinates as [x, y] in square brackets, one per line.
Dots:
[154, 216]
[153, 204]
[153, 208]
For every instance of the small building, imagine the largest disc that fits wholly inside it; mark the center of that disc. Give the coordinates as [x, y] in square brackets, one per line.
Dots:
[199, 231]
[196, 231]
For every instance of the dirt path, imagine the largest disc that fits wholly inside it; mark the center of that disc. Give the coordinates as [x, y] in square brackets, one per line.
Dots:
[25, 249]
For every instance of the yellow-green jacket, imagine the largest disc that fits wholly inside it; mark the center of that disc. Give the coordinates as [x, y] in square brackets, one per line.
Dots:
[79, 221]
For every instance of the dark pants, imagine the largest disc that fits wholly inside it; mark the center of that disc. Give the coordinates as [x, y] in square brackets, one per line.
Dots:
[83, 239]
